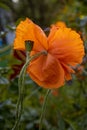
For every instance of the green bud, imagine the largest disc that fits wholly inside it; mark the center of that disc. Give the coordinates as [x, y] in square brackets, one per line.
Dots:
[29, 45]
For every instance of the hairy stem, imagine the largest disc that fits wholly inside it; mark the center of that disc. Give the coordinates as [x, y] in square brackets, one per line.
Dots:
[21, 83]
[43, 109]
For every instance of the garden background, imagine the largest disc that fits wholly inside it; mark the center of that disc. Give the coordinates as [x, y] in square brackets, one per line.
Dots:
[67, 106]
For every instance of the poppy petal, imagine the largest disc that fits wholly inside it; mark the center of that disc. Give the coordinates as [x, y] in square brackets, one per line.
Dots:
[46, 71]
[27, 30]
[60, 24]
[54, 28]
[67, 46]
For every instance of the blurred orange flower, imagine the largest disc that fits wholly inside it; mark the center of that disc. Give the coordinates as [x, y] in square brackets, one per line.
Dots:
[55, 92]
[64, 49]
[59, 24]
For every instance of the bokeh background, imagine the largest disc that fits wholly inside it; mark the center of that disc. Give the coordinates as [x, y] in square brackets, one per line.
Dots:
[67, 106]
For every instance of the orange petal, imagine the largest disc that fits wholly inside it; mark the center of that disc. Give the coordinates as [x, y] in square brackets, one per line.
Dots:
[54, 28]
[60, 24]
[67, 46]
[27, 30]
[68, 71]
[46, 71]
[52, 33]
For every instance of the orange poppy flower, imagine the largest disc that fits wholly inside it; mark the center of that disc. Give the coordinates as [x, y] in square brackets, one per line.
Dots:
[64, 49]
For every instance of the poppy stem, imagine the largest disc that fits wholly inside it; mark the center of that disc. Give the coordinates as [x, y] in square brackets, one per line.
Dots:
[43, 109]
[21, 83]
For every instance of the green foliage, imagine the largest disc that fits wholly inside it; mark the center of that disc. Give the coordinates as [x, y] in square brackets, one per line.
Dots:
[4, 6]
[68, 109]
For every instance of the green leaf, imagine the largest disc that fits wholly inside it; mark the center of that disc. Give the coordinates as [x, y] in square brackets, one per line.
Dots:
[61, 123]
[4, 6]
[72, 124]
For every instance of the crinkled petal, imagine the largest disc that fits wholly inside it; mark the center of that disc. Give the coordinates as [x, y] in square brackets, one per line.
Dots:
[27, 30]
[52, 33]
[46, 71]
[67, 46]
[54, 28]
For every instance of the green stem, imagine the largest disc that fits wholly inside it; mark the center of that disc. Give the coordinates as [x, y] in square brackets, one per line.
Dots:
[43, 109]
[32, 93]
[21, 87]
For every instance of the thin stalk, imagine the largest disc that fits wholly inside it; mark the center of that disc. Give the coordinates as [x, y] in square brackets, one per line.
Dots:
[35, 91]
[21, 83]
[43, 109]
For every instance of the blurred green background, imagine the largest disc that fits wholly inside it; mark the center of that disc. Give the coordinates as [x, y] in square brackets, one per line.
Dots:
[67, 106]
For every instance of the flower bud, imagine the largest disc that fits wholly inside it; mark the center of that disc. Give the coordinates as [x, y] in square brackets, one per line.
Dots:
[29, 45]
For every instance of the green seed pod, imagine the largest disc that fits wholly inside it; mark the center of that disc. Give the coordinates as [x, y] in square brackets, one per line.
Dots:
[29, 45]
